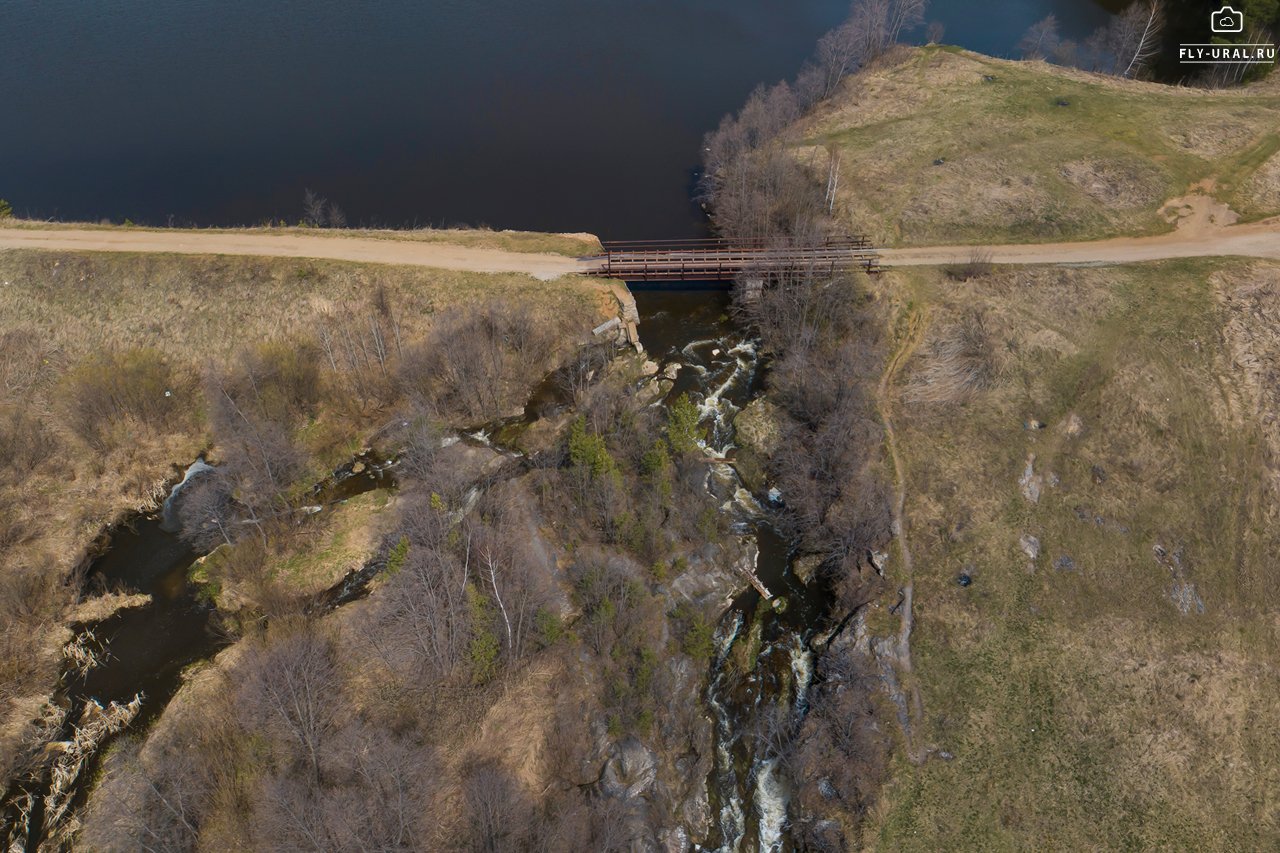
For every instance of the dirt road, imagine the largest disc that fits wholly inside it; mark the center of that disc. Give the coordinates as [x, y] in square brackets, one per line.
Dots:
[1195, 237]
[1203, 227]
[337, 248]
[1260, 240]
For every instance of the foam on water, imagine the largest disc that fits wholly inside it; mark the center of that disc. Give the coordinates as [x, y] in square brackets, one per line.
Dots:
[771, 804]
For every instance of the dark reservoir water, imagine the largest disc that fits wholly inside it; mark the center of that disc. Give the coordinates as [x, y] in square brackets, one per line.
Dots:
[548, 115]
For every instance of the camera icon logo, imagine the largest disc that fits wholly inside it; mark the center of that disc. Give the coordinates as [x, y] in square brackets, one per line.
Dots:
[1227, 20]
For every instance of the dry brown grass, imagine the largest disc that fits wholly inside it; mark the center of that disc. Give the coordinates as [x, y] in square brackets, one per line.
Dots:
[944, 146]
[960, 359]
[1263, 189]
[1083, 707]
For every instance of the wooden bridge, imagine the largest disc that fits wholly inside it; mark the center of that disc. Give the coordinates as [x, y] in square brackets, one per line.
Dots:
[723, 260]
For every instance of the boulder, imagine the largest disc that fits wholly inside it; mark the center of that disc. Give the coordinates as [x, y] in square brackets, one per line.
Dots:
[757, 433]
[674, 840]
[806, 567]
[630, 770]
[1031, 483]
[758, 427]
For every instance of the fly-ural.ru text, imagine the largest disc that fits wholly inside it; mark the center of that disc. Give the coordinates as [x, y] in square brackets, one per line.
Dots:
[1255, 53]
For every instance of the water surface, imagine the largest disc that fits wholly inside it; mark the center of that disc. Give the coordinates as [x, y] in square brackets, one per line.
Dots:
[548, 115]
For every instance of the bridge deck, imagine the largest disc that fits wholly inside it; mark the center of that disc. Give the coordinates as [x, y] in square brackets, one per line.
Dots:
[719, 260]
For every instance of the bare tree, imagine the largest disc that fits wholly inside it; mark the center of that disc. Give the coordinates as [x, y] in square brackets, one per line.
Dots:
[936, 32]
[904, 15]
[833, 177]
[881, 23]
[362, 346]
[1129, 41]
[291, 687]
[376, 800]
[206, 512]
[496, 815]
[1146, 45]
[839, 52]
[313, 209]
[1041, 39]
[1232, 73]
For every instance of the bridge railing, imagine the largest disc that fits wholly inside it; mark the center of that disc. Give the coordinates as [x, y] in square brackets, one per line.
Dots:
[711, 259]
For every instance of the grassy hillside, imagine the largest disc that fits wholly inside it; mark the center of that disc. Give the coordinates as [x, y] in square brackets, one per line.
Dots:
[946, 146]
[1118, 689]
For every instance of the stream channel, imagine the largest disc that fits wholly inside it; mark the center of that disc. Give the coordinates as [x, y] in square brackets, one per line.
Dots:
[722, 369]
[144, 650]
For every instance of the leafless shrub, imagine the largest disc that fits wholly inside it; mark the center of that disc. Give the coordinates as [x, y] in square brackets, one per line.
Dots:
[255, 407]
[419, 626]
[26, 358]
[153, 806]
[977, 266]
[478, 364]
[497, 814]
[376, 800]
[960, 361]
[206, 511]
[842, 752]
[24, 443]
[362, 346]
[111, 393]
[14, 531]
[276, 381]
[583, 371]
[420, 461]
[30, 599]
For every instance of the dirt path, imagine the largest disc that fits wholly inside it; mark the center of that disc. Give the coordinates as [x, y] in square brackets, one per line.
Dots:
[902, 650]
[359, 249]
[1201, 233]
